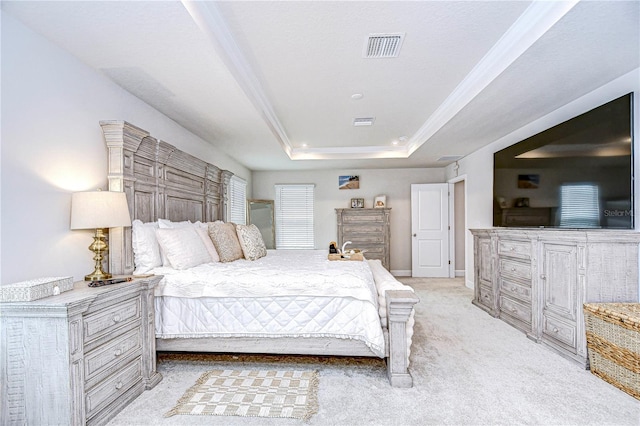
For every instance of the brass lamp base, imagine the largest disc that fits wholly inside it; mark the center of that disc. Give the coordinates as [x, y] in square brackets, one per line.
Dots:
[97, 276]
[99, 247]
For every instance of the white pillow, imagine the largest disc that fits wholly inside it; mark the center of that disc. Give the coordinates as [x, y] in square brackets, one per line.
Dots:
[183, 247]
[206, 239]
[167, 224]
[251, 241]
[146, 251]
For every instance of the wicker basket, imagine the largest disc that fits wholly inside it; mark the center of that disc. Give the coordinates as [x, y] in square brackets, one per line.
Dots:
[613, 341]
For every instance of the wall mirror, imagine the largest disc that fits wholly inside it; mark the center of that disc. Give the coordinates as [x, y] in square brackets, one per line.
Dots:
[261, 214]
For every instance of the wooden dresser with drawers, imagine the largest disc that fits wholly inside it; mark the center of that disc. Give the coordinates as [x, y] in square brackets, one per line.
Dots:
[367, 229]
[79, 357]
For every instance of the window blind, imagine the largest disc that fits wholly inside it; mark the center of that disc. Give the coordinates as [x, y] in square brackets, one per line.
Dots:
[579, 206]
[294, 217]
[238, 200]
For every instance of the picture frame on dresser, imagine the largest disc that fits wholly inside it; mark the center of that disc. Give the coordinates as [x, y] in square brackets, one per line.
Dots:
[357, 203]
[380, 202]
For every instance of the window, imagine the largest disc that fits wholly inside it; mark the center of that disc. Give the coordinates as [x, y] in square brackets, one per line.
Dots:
[294, 217]
[238, 200]
[579, 206]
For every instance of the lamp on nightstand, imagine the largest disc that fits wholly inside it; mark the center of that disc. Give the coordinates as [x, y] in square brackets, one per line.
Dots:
[99, 210]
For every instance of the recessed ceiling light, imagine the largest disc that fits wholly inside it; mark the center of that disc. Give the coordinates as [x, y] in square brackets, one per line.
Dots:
[304, 145]
[395, 142]
[356, 96]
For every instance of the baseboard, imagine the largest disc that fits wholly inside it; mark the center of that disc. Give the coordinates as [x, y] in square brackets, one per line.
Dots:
[469, 284]
[459, 272]
[401, 272]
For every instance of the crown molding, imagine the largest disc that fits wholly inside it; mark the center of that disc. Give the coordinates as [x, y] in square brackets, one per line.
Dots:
[535, 21]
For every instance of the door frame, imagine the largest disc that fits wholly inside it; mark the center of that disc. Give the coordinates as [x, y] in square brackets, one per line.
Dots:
[452, 244]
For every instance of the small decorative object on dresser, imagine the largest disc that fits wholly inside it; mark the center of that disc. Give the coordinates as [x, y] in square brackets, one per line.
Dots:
[79, 357]
[380, 202]
[39, 288]
[357, 203]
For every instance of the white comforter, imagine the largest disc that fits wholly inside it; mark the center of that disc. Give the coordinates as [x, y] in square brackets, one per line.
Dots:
[287, 293]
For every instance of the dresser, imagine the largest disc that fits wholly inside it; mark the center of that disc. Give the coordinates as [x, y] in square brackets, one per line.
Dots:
[367, 229]
[537, 280]
[79, 357]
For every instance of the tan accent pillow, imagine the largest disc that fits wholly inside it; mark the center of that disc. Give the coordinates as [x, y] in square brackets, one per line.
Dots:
[225, 240]
[251, 241]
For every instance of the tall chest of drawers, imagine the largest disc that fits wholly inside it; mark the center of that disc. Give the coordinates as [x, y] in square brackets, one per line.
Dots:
[367, 229]
[79, 357]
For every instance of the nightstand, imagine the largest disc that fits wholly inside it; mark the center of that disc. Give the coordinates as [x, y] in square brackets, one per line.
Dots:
[79, 357]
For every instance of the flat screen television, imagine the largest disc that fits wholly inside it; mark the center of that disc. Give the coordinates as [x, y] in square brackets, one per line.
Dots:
[578, 174]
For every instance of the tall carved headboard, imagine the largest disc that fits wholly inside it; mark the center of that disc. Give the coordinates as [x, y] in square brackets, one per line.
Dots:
[161, 182]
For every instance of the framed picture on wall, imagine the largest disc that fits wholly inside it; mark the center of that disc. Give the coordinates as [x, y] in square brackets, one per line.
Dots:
[348, 182]
[528, 181]
[380, 202]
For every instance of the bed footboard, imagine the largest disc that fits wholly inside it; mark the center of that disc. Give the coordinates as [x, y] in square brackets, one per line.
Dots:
[399, 312]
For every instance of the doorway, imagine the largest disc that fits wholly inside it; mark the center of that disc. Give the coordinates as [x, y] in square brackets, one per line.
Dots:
[459, 221]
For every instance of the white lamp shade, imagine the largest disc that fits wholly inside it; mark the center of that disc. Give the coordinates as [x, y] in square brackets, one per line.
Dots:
[99, 209]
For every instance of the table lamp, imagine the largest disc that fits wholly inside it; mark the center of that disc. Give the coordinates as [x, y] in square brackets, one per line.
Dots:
[99, 210]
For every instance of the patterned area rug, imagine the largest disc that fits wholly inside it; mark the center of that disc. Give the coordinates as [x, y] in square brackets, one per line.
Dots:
[252, 393]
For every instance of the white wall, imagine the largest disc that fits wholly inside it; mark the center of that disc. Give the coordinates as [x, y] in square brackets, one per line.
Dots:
[394, 183]
[478, 167]
[52, 145]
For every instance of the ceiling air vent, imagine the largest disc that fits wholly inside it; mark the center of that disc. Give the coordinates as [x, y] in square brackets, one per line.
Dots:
[363, 121]
[383, 45]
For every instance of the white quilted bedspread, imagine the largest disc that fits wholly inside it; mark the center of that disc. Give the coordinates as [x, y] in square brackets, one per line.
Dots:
[287, 293]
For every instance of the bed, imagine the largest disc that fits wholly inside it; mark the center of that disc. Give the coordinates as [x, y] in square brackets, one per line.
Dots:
[340, 308]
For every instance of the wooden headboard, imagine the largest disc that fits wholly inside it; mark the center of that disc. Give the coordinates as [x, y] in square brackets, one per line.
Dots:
[161, 182]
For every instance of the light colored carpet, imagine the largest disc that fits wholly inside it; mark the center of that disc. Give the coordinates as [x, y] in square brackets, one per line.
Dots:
[251, 393]
[468, 369]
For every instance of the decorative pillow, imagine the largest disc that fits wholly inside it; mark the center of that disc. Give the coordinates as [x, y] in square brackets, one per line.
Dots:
[251, 241]
[183, 247]
[206, 239]
[225, 240]
[146, 251]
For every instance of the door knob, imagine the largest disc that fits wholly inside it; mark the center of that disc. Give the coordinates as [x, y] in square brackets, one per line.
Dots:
[415, 235]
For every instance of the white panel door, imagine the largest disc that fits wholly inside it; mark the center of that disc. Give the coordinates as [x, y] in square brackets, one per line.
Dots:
[430, 230]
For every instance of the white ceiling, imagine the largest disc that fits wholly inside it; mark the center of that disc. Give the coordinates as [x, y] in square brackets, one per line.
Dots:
[260, 79]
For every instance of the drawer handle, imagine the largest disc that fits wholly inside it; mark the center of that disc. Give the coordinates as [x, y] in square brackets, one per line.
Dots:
[543, 277]
[117, 352]
[486, 296]
[513, 269]
[116, 318]
[119, 385]
[513, 289]
[511, 248]
[514, 310]
[555, 330]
